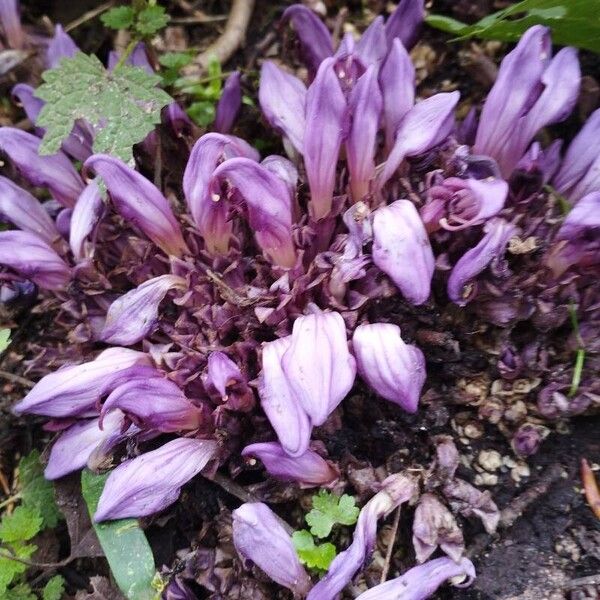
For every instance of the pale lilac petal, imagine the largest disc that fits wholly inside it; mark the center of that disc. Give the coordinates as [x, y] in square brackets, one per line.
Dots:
[222, 372]
[24, 95]
[60, 46]
[86, 215]
[405, 22]
[284, 169]
[259, 537]
[151, 482]
[372, 46]
[468, 500]
[229, 104]
[133, 316]
[10, 19]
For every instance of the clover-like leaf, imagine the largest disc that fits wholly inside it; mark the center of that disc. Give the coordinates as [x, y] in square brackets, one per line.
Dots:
[314, 556]
[54, 589]
[23, 524]
[119, 17]
[329, 509]
[151, 19]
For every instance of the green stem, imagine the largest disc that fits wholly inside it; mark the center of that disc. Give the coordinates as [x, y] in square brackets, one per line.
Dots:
[127, 52]
[580, 356]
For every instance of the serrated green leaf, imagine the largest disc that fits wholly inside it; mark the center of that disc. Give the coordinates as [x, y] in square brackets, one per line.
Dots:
[310, 554]
[37, 491]
[151, 19]
[123, 106]
[54, 589]
[4, 339]
[175, 60]
[119, 17]
[19, 592]
[328, 510]
[124, 544]
[23, 524]
[11, 569]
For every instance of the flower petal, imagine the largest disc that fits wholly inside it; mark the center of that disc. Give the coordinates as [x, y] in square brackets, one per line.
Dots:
[229, 103]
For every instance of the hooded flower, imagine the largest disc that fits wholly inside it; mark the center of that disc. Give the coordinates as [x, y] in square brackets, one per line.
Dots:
[259, 537]
[461, 286]
[229, 104]
[422, 581]
[225, 378]
[86, 216]
[402, 251]
[140, 202]
[149, 483]
[60, 46]
[395, 370]
[405, 22]
[318, 366]
[309, 469]
[75, 390]
[395, 490]
[133, 316]
[31, 257]
[10, 19]
[54, 172]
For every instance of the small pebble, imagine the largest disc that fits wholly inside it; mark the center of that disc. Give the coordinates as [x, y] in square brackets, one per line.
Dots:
[490, 460]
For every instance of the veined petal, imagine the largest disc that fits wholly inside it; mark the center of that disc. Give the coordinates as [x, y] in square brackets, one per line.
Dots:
[405, 22]
[372, 46]
[140, 202]
[229, 104]
[86, 215]
[151, 482]
[60, 46]
[222, 372]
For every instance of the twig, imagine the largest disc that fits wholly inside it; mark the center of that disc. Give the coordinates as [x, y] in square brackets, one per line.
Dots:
[10, 500]
[230, 40]
[197, 19]
[590, 486]
[31, 563]
[390, 548]
[90, 14]
[17, 379]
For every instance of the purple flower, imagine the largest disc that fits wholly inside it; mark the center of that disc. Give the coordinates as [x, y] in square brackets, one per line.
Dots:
[309, 469]
[19, 207]
[282, 100]
[286, 171]
[468, 500]
[149, 483]
[259, 537]
[371, 48]
[527, 439]
[397, 81]
[133, 316]
[10, 19]
[229, 104]
[426, 125]
[326, 116]
[422, 581]
[365, 105]
[269, 207]
[395, 490]
[203, 200]
[60, 46]
[284, 411]
[138, 58]
[461, 285]
[32, 257]
[314, 37]
[530, 92]
[87, 213]
[140, 202]
[402, 251]
[54, 172]
[225, 377]
[75, 389]
[395, 370]
[24, 95]
[405, 22]
[318, 366]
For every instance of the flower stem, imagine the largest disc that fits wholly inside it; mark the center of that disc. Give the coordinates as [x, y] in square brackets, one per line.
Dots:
[580, 355]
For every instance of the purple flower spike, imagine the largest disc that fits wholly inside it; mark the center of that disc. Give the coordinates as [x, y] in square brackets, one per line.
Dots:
[282, 100]
[402, 251]
[10, 19]
[75, 390]
[77, 443]
[372, 46]
[286, 415]
[133, 316]
[314, 37]
[309, 469]
[365, 104]
[229, 104]
[152, 402]
[60, 46]
[54, 172]
[318, 366]
[140, 202]
[397, 80]
[422, 581]
[151, 482]
[205, 205]
[32, 257]
[395, 490]
[259, 537]
[405, 22]
[19, 207]
[395, 370]
[86, 215]
[269, 207]
[461, 287]
[326, 117]
[426, 125]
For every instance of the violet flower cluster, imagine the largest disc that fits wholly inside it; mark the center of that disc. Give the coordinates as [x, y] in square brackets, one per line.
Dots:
[245, 291]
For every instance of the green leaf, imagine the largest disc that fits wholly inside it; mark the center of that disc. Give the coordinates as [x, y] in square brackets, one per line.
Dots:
[573, 22]
[151, 19]
[175, 60]
[4, 339]
[124, 544]
[124, 106]
[328, 510]
[54, 589]
[312, 555]
[23, 524]
[203, 113]
[37, 491]
[11, 569]
[20, 592]
[119, 17]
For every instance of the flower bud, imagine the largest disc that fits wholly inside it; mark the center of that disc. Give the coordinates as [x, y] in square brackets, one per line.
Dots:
[86, 216]
[229, 104]
[225, 377]
[405, 22]
[60, 46]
